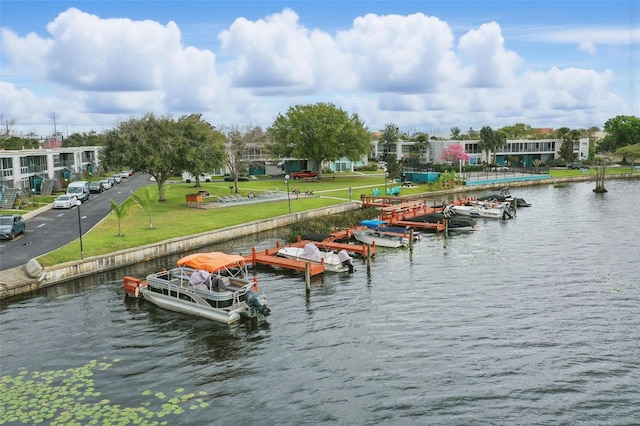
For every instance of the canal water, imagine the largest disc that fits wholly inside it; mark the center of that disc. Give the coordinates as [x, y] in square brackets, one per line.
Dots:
[532, 321]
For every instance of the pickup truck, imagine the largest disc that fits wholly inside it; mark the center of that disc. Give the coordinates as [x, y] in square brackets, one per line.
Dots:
[304, 174]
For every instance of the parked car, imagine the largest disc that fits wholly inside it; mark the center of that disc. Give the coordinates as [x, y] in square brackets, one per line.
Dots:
[116, 178]
[65, 201]
[575, 166]
[106, 183]
[188, 177]
[228, 178]
[96, 186]
[11, 225]
[303, 174]
[79, 189]
[500, 169]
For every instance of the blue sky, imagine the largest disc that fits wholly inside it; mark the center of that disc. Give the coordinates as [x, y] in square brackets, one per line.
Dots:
[424, 66]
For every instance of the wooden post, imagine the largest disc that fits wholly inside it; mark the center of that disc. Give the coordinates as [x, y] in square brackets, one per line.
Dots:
[446, 227]
[368, 249]
[410, 238]
[307, 276]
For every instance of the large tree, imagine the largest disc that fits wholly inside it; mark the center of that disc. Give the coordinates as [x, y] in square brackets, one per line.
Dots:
[569, 139]
[490, 142]
[320, 132]
[238, 141]
[390, 135]
[630, 153]
[205, 147]
[158, 146]
[622, 130]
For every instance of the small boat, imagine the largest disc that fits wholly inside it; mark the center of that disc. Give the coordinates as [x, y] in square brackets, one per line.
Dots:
[454, 222]
[380, 239]
[383, 226]
[211, 285]
[334, 262]
[505, 195]
[485, 209]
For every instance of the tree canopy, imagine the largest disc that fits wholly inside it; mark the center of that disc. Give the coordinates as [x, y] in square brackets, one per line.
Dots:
[238, 140]
[320, 132]
[491, 141]
[205, 147]
[159, 146]
[454, 153]
[622, 130]
[569, 138]
[630, 152]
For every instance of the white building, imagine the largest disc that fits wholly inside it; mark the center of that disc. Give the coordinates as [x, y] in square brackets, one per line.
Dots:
[28, 168]
[521, 152]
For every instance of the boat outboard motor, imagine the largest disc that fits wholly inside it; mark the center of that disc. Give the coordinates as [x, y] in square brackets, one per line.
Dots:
[254, 300]
[345, 259]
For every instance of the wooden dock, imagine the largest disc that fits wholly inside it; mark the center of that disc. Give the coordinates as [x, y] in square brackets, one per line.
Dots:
[398, 211]
[270, 256]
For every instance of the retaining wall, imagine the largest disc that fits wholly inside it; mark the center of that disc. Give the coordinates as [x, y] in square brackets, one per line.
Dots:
[32, 276]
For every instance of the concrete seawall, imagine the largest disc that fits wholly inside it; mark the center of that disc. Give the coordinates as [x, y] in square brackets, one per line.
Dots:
[32, 276]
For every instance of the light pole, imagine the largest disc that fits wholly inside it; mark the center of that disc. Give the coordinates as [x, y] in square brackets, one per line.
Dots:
[385, 181]
[78, 203]
[286, 179]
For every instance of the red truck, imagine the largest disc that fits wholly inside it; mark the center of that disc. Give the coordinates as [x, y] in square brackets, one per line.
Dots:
[304, 174]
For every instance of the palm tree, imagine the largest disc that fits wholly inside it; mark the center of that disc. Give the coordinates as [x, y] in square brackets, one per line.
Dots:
[145, 202]
[120, 212]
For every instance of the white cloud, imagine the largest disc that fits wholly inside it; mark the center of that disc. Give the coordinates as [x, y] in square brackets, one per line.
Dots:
[587, 39]
[409, 70]
[489, 64]
[404, 54]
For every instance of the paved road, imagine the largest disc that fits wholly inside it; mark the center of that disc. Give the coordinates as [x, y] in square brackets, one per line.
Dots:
[57, 227]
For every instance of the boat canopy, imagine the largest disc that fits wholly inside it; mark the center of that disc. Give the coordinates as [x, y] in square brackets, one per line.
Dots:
[373, 223]
[212, 261]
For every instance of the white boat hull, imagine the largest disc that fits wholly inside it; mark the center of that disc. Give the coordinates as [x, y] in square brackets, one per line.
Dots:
[331, 261]
[177, 305]
[380, 239]
[480, 211]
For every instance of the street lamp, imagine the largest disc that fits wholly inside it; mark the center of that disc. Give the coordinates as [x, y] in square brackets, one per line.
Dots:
[78, 203]
[385, 181]
[286, 179]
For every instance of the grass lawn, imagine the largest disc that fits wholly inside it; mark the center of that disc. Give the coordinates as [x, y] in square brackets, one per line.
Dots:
[173, 218]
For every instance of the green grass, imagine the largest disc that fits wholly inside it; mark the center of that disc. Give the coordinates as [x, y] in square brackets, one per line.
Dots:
[173, 218]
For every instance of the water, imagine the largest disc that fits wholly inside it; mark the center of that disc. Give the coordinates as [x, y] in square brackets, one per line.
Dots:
[528, 321]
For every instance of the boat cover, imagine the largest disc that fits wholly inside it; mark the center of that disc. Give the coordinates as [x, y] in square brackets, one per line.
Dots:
[373, 223]
[311, 252]
[212, 261]
[343, 256]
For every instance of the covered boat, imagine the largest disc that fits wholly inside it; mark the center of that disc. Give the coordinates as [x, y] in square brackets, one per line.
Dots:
[485, 209]
[454, 222]
[379, 238]
[383, 226]
[211, 285]
[334, 262]
[505, 195]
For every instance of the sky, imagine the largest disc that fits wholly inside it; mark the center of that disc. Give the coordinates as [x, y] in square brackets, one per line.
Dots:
[424, 66]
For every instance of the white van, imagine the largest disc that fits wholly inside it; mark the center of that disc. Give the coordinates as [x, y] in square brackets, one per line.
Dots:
[188, 177]
[80, 189]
